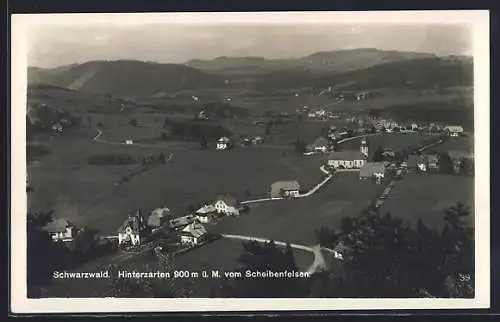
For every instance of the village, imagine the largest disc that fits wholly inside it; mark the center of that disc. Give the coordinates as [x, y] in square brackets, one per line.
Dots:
[163, 231]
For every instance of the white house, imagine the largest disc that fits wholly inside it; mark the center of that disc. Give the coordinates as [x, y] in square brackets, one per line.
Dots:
[257, 140]
[60, 230]
[193, 234]
[224, 204]
[346, 160]
[223, 143]
[57, 127]
[129, 142]
[285, 189]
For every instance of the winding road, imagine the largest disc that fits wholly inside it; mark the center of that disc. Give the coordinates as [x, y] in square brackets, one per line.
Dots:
[319, 262]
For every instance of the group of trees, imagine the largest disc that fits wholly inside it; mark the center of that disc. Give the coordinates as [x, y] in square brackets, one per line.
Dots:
[387, 257]
[44, 256]
[112, 159]
[153, 160]
[263, 257]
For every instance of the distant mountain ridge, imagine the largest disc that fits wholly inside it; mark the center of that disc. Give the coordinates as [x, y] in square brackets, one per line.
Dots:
[337, 61]
[124, 78]
[137, 80]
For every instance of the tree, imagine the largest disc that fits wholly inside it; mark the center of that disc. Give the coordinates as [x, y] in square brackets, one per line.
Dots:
[166, 123]
[378, 155]
[203, 142]
[300, 147]
[373, 129]
[100, 125]
[164, 136]
[264, 257]
[162, 159]
[89, 119]
[326, 237]
[133, 122]
[346, 225]
[41, 254]
[445, 163]
[466, 167]
[386, 257]
[267, 130]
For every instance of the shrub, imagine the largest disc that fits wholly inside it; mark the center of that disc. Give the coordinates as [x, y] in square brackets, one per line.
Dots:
[111, 159]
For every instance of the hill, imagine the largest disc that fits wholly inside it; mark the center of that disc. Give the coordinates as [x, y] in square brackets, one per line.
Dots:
[124, 78]
[419, 74]
[337, 61]
[73, 101]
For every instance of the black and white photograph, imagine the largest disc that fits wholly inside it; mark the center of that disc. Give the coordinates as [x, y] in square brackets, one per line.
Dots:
[250, 161]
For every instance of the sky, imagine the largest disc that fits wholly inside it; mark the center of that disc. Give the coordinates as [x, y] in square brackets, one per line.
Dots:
[57, 45]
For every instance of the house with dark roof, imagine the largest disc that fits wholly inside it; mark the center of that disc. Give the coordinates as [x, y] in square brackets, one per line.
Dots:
[346, 160]
[285, 189]
[60, 230]
[193, 234]
[225, 204]
[372, 170]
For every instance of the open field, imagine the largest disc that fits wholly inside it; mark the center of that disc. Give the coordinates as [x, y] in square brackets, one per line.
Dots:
[296, 220]
[64, 181]
[427, 196]
[220, 255]
[459, 145]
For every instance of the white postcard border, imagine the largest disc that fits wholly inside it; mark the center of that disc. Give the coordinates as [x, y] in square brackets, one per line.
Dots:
[20, 27]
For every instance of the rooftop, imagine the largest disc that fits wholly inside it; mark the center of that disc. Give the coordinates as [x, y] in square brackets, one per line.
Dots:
[346, 155]
[228, 200]
[57, 225]
[370, 168]
[195, 229]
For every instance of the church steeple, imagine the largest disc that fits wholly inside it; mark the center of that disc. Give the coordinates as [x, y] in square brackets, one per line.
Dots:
[364, 147]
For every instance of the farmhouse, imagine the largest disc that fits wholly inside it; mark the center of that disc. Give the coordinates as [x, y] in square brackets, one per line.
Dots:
[181, 221]
[346, 160]
[129, 142]
[454, 130]
[225, 204]
[320, 145]
[193, 234]
[205, 213]
[223, 143]
[57, 127]
[131, 230]
[159, 217]
[285, 189]
[257, 140]
[372, 170]
[60, 230]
